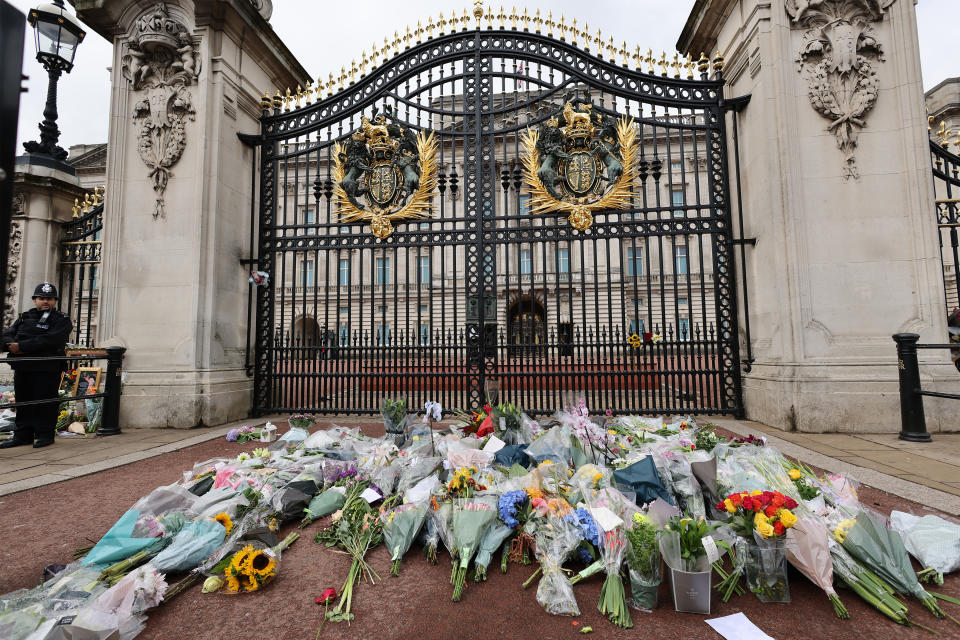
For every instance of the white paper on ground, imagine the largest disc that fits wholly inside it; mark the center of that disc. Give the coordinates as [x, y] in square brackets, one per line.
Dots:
[494, 444]
[737, 627]
[370, 495]
[607, 519]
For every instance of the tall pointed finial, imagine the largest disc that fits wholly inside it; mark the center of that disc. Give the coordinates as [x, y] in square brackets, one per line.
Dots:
[478, 11]
[76, 207]
[703, 65]
[689, 65]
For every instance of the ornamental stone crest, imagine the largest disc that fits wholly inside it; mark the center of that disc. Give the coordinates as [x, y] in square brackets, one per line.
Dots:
[385, 172]
[580, 161]
[161, 63]
[13, 271]
[838, 55]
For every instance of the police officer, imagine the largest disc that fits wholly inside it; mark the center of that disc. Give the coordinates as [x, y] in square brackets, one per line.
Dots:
[41, 331]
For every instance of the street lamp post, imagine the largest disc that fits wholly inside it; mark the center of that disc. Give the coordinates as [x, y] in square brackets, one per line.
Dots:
[57, 33]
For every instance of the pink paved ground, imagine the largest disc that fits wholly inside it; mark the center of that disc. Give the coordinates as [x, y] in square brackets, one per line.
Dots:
[44, 525]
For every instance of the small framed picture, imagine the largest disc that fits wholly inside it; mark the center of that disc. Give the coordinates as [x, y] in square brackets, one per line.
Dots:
[87, 382]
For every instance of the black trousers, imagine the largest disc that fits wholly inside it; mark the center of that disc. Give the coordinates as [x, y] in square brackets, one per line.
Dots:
[36, 421]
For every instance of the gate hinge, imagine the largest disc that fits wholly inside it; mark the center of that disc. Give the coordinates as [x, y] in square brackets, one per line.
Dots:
[737, 104]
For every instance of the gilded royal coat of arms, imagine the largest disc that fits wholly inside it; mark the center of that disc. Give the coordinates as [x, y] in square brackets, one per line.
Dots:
[385, 172]
[580, 161]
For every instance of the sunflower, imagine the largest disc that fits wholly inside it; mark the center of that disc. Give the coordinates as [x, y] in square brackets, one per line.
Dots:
[262, 563]
[224, 519]
[233, 584]
[240, 560]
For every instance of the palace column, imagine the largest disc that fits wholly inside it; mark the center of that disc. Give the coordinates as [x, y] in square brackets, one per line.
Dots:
[187, 77]
[837, 190]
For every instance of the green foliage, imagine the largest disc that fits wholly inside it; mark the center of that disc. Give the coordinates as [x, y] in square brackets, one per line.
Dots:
[691, 534]
[394, 410]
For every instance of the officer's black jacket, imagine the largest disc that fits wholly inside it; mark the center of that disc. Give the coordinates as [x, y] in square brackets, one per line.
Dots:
[36, 338]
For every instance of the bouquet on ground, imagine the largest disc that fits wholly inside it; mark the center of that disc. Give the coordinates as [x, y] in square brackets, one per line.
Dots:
[400, 527]
[496, 535]
[762, 518]
[243, 434]
[439, 528]
[808, 549]
[590, 543]
[507, 419]
[394, 414]
[556, 538]
[643, 562]
[302, 420]
[478, 423]
[470, 522]
[248, 569]
[355, 529]
[931, 540]
[801, 475]
[613, 600]
[514, 509]
[871, 541]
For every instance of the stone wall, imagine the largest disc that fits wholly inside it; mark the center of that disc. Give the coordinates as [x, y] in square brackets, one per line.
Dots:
[838, 194]
[187, 78]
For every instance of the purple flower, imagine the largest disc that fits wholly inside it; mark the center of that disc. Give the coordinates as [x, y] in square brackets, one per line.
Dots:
[232, 435]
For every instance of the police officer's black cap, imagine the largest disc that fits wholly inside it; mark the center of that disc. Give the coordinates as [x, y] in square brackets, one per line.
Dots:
[45, 290]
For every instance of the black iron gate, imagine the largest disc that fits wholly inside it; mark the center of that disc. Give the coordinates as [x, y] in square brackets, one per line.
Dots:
[489, 288]
[946, 186]
[80, 253]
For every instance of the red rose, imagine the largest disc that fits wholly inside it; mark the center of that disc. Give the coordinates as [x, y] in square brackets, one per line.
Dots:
[778, 500]
[770, 511]
[328, 594]
[747, 503]
[778, 528]
[736, 499]
[721, 506]
[765, 498]
[789, 502]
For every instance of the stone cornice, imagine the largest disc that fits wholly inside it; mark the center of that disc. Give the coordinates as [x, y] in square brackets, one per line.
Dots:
[699, 34]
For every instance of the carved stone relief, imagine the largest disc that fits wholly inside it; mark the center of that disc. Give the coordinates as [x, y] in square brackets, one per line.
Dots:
[19, 205]
[838, 58]
[161, 63]
[13, 270]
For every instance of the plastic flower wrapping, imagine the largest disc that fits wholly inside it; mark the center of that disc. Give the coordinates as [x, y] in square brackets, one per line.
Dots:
[584, 496]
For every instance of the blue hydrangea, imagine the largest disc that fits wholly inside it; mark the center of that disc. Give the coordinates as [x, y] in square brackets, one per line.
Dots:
[589, 531]
[585, 556]
[508, 505]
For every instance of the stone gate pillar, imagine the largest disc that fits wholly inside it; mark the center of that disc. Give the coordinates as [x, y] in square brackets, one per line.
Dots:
[837, 191]
[187, 77]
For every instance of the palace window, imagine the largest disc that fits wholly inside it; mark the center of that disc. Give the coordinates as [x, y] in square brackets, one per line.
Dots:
[526, 262]
[383, 271]
[634, 261]
[680, 260]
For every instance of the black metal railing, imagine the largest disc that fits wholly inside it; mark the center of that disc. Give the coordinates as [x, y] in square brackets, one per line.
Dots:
[80, 252]
[946, 186]
[110, 420]
[913, 420]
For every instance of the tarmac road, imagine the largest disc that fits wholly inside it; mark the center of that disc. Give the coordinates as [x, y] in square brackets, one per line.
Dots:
[44, 525]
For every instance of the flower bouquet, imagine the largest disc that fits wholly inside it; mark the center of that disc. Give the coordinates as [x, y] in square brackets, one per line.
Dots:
[400, 527]
[643, 562]
[302, 420]
[506, 422]
[613, 600]
[514, 509]
[243, 434]
[763, 517]
[808, 549]
[871, 541]
[469, 523]
[394, 414]
[248, 569]
[438, 528]
[556, 539]
[478, 423]
[495, 536]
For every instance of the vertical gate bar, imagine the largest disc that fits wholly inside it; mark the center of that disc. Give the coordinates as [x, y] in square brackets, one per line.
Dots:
[727, 327]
